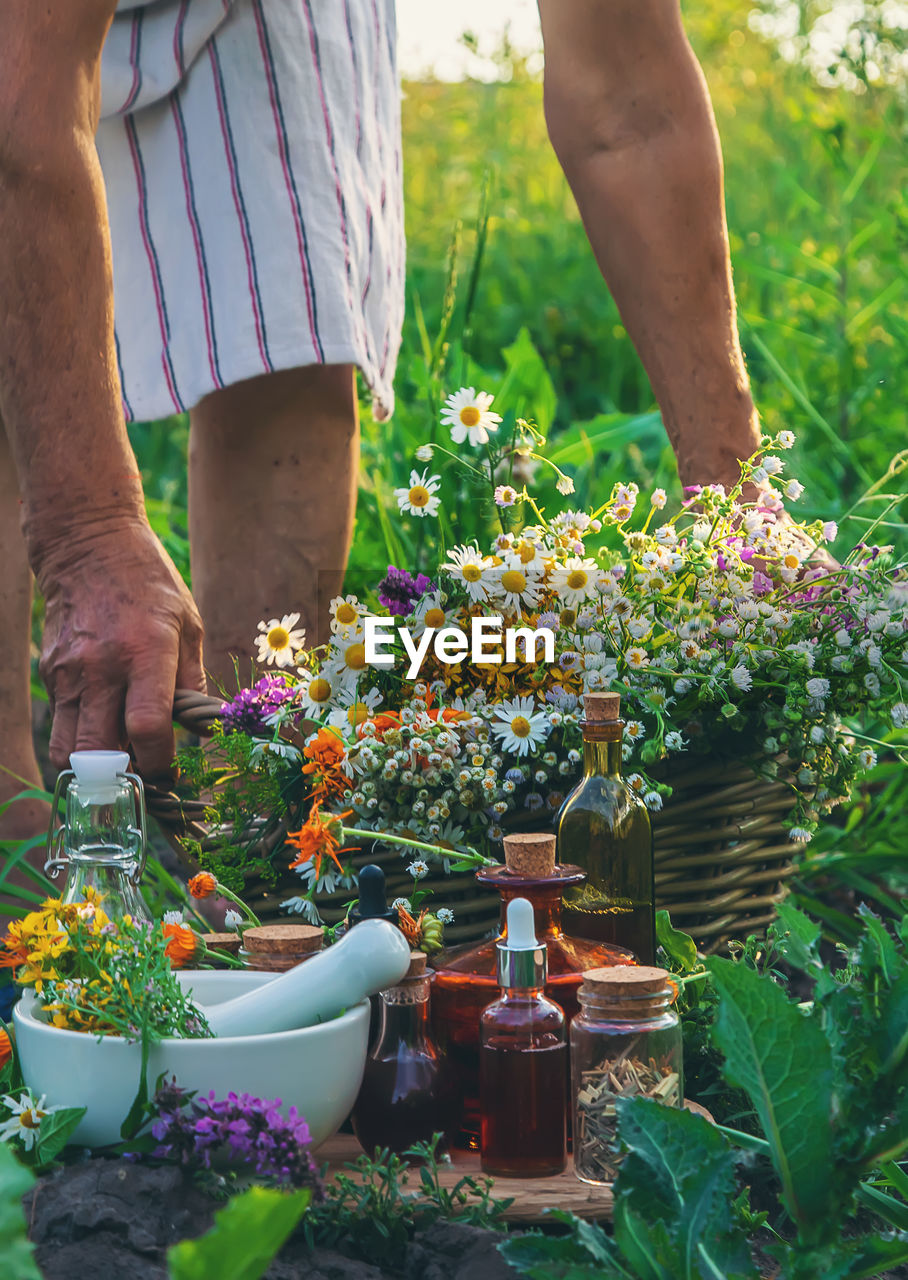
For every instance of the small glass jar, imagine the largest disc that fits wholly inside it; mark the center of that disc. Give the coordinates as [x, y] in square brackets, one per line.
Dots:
[625, 1041]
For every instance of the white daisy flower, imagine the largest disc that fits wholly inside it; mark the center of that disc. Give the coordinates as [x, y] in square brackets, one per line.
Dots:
[315, 692]
[772, 466]
[519, 726]
[418, 868]
[830, 531]
[899, 713]
[173, 917]
[817, 688]
[505, 495]
[564, 484]
[674, 741]
[346, 612]
[867, 757]
[576, 580]
[304, 907]
[741, 677]
[346, 661]
[401, 902]
[25, 1121]
[817, 735]
[800, 834]
[793, 490]
[445, 915]
[424, 453]
[785, 439]
[279, 642]
[421, 498]
[653, 801]
[468, 413]
[634, 730]
[232, 920]
[658, 498]
[512, 584]
[355, 707]
[430, 613]
[470, 568]
[636, 658]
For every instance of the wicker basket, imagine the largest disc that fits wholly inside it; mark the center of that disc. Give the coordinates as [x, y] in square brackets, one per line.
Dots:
[722, 857]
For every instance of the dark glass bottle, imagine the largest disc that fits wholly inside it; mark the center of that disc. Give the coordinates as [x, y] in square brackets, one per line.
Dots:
[409, 1092]
[604, 827]
[523, 1062]
[466, 977]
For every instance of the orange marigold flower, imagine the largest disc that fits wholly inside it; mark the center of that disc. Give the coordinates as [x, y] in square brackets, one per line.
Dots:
[319, 837]
[182, 944]
[6, 1047]
[202, 885]
[410, 928]
[326, 756]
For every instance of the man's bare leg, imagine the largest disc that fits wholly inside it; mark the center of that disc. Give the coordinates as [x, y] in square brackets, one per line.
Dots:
[18, 763]
[273, 470]
[630, 118]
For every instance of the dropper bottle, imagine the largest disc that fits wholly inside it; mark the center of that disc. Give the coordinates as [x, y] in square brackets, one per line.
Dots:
[523, 1061]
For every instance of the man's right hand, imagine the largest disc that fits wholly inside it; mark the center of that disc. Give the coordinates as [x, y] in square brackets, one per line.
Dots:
[121, 633]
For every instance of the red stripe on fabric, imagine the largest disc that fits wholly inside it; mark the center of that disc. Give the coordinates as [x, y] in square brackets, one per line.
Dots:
[196, 241]
[134, 63]
[178, 55]
[239, 213]
[285, 165]
[143, 213]
[329, 133]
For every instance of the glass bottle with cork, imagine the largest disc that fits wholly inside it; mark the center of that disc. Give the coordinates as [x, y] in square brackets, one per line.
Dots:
[604, 827]
[409, 1091]
[466, 977]
[625, 1041]
[523, 1061]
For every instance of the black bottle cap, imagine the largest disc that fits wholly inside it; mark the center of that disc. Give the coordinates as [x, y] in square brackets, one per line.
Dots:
[373, 900]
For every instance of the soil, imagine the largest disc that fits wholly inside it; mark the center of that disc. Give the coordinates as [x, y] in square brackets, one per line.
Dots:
[111, 1218]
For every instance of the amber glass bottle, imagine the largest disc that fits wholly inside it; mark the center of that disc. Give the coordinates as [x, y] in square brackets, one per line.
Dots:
[604, 828]
[523, 1062]
[409, 1091]
[466, 977]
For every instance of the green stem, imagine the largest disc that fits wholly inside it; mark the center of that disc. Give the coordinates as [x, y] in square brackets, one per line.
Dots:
[439, 850]
[231, 897]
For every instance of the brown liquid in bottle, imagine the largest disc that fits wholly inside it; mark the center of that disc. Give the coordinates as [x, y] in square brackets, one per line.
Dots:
[524, 1108]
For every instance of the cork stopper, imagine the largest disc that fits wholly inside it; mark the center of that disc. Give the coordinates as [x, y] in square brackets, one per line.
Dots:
[601, 706]
[284, 939]
[530, 854]
[418, 960]
[625, 980]
[223, 941]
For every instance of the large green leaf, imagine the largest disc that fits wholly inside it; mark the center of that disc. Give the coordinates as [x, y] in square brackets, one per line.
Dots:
[16, 1259]
[245, 1237]
[672, 1197]
[527, 387]
[780, 1057]
[678, 946]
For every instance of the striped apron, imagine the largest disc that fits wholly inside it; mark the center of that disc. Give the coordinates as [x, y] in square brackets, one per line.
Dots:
[251, 156]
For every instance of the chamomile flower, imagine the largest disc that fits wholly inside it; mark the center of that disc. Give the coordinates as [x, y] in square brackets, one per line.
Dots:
[772, 466]
[468, 413]
[429, 613]
[505, 495]
[519, 726]
[354, 708]
[634, 730]
[741, 677]
[658, 498]
[346, 612]
[418, 869]
[636, 658]
[421, 498]
[25, 1120]
[346, 661]
[512, 584]
[867, 757]
[793, 490]
[830, 531]
[564, 484]
[279, 640]
[424, 453]
[445, 915]
[470, 569]
[575, 580]
[315, 692]
[800, 834]
[232, 920]
[785, 439]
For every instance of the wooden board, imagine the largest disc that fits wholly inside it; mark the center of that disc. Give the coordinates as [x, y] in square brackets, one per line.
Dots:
[531, 1196]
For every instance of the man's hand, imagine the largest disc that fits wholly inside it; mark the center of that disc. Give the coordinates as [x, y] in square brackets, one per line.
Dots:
[121, 633]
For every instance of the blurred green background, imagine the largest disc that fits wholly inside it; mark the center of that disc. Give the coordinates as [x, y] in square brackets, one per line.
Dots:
[814, 141]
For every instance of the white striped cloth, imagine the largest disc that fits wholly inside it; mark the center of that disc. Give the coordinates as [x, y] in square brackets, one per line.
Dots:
[251, 155]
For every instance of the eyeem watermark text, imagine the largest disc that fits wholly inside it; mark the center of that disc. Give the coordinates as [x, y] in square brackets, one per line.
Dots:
[452, 644]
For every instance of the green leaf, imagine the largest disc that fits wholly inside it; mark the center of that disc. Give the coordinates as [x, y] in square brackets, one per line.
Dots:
[542, 1257]
[246, 1236]
[783, 1062]
[18, 1262]
[679, 1174]
[797, 937]
[679, 947]
[527, 387]
[54, 1133]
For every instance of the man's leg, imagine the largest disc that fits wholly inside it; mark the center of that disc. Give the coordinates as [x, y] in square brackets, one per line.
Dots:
[273, 470]
[630, 118]
[18, 764]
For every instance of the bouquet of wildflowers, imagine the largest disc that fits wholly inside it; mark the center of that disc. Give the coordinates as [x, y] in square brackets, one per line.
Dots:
[726, 627]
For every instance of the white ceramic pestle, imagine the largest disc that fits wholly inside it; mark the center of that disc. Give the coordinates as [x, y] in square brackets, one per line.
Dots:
[371, 957]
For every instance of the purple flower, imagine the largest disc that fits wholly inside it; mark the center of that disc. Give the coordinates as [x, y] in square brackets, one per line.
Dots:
[239, 1128]
[250, 709]
[399, 590]
[762, 584]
